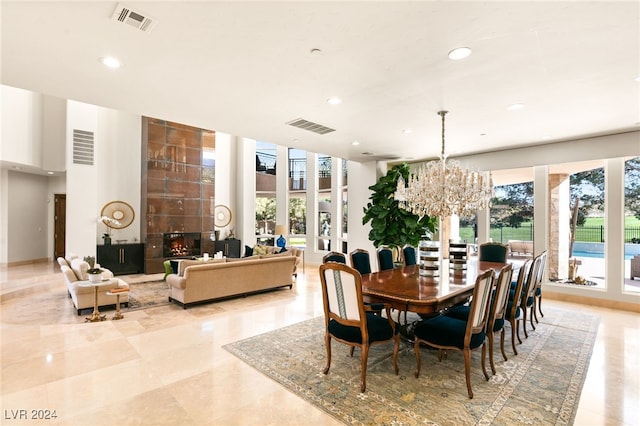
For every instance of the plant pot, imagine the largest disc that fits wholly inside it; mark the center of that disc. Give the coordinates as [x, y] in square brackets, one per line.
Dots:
[95, 278]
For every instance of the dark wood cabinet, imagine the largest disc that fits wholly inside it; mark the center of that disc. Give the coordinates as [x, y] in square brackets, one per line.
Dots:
[229, 248]
[122, 258]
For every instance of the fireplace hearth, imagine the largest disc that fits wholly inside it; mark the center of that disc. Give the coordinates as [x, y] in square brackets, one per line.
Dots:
[181, 244]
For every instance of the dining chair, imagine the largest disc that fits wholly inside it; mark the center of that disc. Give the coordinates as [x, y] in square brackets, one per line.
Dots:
[334, 256]
[513, 313]
[409, 255]
[527, 302]
[537, 301]
[497, 311]
[360, 261]
[493, 252]
[348, 320]
[443, 332]
[385, 258]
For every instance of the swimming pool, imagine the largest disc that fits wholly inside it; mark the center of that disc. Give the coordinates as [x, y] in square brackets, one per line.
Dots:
[596, 254]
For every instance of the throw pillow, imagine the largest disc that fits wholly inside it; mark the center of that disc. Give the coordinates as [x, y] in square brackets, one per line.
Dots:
[284, 249]
[260, 250]
[248, 251]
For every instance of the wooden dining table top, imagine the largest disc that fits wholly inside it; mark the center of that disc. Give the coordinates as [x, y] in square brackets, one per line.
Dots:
[406, 290]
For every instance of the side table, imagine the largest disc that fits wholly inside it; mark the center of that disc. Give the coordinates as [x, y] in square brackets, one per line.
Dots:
[95, 317]
[117, 294]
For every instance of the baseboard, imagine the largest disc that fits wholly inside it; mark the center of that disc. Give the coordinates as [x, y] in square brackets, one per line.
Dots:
[26, 262]
[591, 301]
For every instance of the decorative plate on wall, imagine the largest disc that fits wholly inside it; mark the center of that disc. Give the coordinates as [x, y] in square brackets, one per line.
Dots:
[117, 214]
[222, 216]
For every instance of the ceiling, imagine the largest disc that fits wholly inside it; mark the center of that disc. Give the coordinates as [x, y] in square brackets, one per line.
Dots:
[247, 68]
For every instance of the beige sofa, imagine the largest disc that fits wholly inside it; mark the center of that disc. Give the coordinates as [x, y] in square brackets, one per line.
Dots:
[74, 271]
[519, 247]
[199, 281]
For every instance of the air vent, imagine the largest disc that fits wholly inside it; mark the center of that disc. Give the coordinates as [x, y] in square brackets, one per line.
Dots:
[136, 19]
[310, 126]
[82, 147]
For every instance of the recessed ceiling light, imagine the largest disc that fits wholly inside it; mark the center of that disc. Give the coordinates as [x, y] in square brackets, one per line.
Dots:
[638, 79]
[514, 107]
[334, 100]
[406, 131]
[315, 51]
[355, 143]
[49, 173]
[110, 62]
[459, 53]
[483, 134]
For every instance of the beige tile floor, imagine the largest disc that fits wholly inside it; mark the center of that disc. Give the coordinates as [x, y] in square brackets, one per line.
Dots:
[166, 365]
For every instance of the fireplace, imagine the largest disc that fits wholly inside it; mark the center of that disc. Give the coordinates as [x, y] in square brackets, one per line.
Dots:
[181, 244]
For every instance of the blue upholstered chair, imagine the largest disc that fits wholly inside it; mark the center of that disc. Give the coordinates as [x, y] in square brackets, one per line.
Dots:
[493, 252]
[385, 258]
[334, 256]
[348, 320]
[409, 255]
[360, 261]
[514, 311]
[445, 333]
[497, 311]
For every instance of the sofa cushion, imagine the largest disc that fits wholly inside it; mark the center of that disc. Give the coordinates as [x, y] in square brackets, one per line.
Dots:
[80, 268]
[260, 249]
[275, 255]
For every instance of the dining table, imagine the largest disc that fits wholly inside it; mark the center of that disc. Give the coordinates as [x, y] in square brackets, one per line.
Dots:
[406, 290]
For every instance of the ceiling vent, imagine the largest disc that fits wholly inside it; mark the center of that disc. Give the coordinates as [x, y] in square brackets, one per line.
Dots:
[310, 126]
[136, 19]
[82, 147]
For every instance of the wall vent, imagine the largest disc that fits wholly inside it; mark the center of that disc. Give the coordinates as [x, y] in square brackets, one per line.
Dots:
[136, 19]
[82, 147]
[310, 126]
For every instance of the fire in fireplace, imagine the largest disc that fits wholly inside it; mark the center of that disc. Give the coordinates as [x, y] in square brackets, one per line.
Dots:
[181, 244]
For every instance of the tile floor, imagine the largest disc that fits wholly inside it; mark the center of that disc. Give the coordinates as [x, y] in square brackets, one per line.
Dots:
[166, 365]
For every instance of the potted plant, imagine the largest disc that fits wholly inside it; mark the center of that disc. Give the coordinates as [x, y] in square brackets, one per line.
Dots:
[392, 225]
[95, 274]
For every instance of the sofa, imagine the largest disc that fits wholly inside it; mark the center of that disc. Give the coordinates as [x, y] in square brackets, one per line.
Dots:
[202, 281]
[519, 247]
[74, 271]
[260, 249]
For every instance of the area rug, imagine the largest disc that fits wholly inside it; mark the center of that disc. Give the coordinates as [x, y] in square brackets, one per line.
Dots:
[148, 294]
[541, 385]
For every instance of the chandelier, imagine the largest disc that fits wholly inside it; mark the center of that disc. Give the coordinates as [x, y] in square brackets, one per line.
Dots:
[444, 188]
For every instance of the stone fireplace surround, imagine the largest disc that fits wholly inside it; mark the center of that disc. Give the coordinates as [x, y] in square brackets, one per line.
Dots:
[178, 187]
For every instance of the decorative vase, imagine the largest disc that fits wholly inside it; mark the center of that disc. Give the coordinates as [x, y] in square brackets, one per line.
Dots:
[95, 278]
[107, 240]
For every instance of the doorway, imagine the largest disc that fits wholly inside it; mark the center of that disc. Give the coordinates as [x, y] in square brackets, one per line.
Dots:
[59, 225]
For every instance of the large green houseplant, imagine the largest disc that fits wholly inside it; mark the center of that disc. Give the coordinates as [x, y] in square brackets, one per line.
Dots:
[392, 225]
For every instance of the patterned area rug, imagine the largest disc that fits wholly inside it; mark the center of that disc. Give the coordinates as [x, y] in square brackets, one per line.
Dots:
[541, 385]
[148, 294]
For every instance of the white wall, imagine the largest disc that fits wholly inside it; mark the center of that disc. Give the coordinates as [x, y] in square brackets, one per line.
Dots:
[21, 126]
[27, 212]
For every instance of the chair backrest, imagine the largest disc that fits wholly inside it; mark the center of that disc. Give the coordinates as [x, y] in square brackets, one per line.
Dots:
[541, 267]
[385, 258]
[360, 261]
[334, 256]
[479, 308]
[342, 294]
[409, 255]
[529, 288]
[523, 273]
[493, 252]
[501, 296]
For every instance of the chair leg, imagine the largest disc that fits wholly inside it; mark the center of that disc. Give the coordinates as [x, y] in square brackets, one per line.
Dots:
[467, 370]
[484, 353]
[351, 350]
[363, 379]
[493, 368]
[396, 349]
[539, 303]
[416, 350]
[327, 343]
[513, 335]
[532, 314]
[524, 322]
[504, 354]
